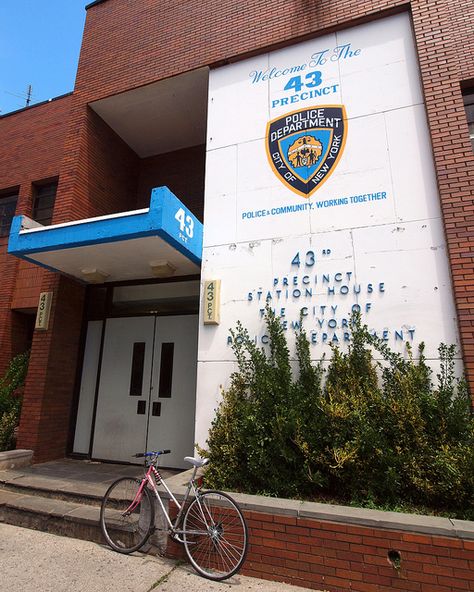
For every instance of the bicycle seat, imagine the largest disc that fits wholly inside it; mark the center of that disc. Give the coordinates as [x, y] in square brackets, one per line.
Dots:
[196, 462]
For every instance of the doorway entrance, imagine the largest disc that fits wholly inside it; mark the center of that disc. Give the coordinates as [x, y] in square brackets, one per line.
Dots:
[147, 386]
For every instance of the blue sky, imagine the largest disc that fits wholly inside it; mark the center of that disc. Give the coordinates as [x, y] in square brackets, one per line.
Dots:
[40, 42]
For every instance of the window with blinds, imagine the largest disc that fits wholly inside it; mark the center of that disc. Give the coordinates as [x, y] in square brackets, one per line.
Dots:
[7, 211]
[469, 106]
[44, 197]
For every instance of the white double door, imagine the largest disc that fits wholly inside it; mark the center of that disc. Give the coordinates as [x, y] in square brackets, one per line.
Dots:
[147, 388]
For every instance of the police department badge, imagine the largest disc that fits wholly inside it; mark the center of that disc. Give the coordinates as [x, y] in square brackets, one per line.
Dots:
[304, 146]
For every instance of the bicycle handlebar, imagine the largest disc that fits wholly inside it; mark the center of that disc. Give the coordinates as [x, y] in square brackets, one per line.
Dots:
[152, 453]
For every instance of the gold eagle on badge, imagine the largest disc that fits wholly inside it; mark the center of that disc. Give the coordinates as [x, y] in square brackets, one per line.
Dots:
[305, 151]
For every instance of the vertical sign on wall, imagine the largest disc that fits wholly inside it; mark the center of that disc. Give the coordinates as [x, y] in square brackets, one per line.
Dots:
[44, 310]
[212, 297]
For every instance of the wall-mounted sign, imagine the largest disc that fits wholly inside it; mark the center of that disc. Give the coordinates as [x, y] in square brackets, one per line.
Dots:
[44, 309]
[212, 302]
[304, 146]
[316, 204]
[321, 200]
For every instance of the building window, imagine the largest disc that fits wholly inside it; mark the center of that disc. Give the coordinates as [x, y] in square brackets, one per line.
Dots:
[469, 106]
[43, 204]
[7, 211]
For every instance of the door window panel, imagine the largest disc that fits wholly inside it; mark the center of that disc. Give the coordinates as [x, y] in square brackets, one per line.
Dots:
[136, 375]
[166, 370]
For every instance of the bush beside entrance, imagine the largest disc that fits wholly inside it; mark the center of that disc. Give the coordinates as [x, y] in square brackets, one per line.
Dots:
[10, 400]
[381, 435]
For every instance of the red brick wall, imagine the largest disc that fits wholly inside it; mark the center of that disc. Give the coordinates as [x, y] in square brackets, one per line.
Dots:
[31, 150]
[462, 25]
[454, 160]
[178, 36]
[99, 171]
[22, 331]
[181, 171]
[32, 146]
[8, 267]
[44, 425]
[27, 286]
[337, 557]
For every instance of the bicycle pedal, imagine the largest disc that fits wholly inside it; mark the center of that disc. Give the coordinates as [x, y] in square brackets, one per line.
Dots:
[176, 539]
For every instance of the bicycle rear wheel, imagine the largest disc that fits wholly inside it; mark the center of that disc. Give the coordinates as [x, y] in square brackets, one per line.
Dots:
[215, 535]
[125, 519]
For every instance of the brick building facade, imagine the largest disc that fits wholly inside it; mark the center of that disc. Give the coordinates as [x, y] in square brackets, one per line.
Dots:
[130, 49]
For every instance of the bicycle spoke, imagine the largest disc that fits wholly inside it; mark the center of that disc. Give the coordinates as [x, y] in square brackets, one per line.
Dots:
[219, 550]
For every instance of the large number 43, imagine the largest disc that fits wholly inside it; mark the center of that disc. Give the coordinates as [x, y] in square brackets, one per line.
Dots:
[309, 259]
[313, 79]
[186, 223]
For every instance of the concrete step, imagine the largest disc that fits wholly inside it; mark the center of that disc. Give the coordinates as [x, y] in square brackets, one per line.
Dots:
[66, 518]
[70, 480]
[64, 497]
[59, 491]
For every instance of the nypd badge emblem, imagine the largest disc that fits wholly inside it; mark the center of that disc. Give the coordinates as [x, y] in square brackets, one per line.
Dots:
[304, 146]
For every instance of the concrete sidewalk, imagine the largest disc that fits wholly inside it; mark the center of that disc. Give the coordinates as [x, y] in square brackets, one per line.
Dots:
[35, 561]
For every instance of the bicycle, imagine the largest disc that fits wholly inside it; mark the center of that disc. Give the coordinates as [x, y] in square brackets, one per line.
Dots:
[212, 527]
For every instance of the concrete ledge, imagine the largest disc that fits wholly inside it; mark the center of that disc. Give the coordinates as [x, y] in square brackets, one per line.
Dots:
[13, 459]
[67, 518]
[413, 523]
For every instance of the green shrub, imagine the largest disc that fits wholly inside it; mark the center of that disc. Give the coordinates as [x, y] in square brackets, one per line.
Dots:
[8, 423]
[10, 399]
[370, 433]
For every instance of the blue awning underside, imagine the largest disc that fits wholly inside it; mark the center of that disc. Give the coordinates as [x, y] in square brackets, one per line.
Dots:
[160, 241]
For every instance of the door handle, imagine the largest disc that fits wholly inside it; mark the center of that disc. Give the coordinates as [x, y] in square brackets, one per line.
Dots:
[141, 407]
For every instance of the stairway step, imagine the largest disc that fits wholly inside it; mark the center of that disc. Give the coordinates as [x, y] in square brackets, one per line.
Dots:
[51, 515]
[65, 518]
[6, 496]
[90, 494]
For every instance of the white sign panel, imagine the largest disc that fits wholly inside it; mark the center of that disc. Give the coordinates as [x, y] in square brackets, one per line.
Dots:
[321, 195]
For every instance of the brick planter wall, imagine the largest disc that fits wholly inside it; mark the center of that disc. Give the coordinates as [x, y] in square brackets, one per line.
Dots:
[333, 556]
[337, 548]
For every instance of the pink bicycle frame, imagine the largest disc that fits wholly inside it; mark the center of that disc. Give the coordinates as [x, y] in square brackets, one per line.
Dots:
[149, 478]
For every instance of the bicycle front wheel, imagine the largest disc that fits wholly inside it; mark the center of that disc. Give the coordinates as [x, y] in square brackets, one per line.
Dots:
[126, 517]
[215, 535]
